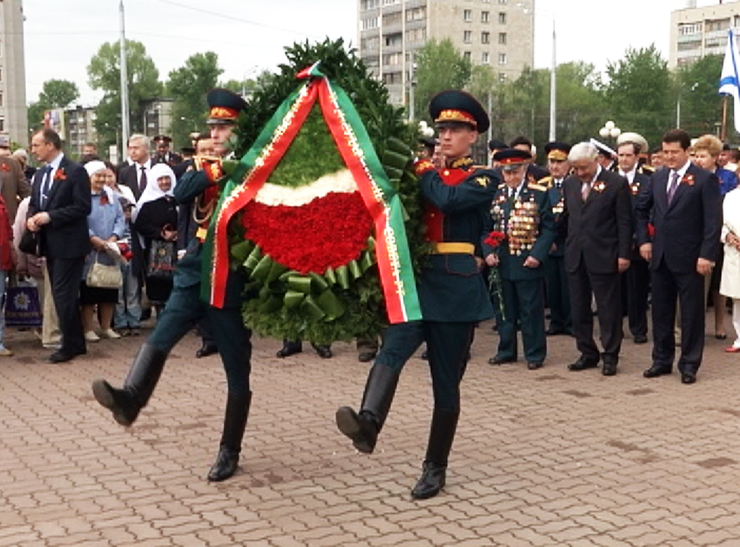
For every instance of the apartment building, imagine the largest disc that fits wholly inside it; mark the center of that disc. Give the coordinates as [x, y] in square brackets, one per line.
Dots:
[699, 31]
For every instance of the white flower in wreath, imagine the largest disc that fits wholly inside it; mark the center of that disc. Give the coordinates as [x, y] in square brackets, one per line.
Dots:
[21, 301]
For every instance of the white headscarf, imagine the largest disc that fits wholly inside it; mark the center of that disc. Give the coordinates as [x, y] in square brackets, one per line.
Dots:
[96, 166]
[152, 191]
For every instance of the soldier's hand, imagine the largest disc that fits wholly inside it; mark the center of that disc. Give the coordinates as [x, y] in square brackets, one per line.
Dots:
[704, 266]
[531, 262]
[492, 260]
[646, 251]
[623, 264]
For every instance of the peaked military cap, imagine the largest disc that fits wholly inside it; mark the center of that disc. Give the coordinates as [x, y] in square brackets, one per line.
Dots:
[495, 144]
[162, 138]
[224, 106]
[603, 149]
[511, 158]
[455, 106]
[557, 151]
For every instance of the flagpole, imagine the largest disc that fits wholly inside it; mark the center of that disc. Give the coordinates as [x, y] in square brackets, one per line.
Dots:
[723, 129]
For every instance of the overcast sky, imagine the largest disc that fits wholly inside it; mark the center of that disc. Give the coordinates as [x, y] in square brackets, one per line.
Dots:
[61, 36]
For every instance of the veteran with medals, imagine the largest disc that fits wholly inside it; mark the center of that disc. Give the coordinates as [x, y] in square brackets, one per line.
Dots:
[452, 294]
[522, 212]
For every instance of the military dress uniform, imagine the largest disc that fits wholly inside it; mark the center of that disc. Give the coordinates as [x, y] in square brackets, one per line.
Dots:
[556, 278]
[185, 308]
[452, 295]
[525, 216]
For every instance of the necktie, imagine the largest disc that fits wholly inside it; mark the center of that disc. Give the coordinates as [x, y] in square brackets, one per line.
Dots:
[558, 184]
[672, 186]
[45, 185]
[142, 179]
[585, 189]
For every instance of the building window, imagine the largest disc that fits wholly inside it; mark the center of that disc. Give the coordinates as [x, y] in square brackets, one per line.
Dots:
[485, 37]
[502, 58]
[467, 15]
[392, 59]
[502, 38]
[415, 14]
[502, 2]
[694, 28]
[467, 36]
[466, 55]
[502, 18]
[485, 17]
[717, 24]
[502, 77]
[394, 40]
[485, 58]
[370, 22]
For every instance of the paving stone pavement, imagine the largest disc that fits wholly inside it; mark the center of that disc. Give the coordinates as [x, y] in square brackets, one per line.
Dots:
[542, 458]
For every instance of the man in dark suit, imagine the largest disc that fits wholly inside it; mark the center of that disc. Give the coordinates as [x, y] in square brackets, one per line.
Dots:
[684, 205]
[58, 209]
[636, 280]
[163, 153]
[597, 249]
[136, 174]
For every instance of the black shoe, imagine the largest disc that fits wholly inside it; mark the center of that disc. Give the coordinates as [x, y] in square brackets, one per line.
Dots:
[688, 378]
[609, 369]
[361, 428]
[583, 363]
[323, 351]
[122, 403]
[206, 350]
[366, 356]
[289, 348]
[61, 356]
[226, 464]
[431, 482]
[500, 360]
[146, 314]
[640, 339]
[554, 331]
[655, 371]
[534, 365]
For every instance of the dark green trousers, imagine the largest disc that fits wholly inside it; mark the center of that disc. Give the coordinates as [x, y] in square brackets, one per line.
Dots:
[184, 310]
[447, 349]
[523, 304]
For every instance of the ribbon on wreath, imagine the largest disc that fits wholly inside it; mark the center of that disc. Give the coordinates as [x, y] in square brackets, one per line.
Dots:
[380, 198]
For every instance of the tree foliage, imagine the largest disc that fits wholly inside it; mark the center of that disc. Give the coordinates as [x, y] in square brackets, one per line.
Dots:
[439, 66]
[54, 94]
[188, 85]
[639, 94]
[701, 106]
[143, 86]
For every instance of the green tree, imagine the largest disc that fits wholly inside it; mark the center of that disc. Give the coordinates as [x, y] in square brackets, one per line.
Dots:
[54, 94]
[579, 103]
[439, 66]
[640, 95]
[143, 85]
[700, 105]
[522, 106]
[188, 85]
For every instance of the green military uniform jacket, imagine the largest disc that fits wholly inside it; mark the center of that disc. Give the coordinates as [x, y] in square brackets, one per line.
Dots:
[529, 225]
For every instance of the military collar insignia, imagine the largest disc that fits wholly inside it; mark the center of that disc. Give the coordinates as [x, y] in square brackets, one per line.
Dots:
[462, 163]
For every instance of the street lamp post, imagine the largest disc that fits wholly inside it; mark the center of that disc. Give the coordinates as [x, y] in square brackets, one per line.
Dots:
[610, 130]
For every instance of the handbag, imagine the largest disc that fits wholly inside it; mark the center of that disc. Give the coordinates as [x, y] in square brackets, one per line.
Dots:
[102, 276]
[29, 242]
[22, 306]
[162, 259]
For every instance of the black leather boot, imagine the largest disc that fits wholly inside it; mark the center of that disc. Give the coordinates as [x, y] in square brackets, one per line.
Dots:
[363, 428]
[125, 403]
[289, 348]
[441, 435]
[235, 421]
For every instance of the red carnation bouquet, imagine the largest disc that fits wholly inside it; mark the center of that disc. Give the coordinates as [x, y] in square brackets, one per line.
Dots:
[495, 239]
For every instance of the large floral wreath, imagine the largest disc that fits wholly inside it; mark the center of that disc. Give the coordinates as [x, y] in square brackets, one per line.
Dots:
[323, 205]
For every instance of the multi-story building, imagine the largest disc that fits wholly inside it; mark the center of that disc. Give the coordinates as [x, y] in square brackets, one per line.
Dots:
[13, 116]
[79, 128]
[498, 33]
[700, 31]
[158, 116]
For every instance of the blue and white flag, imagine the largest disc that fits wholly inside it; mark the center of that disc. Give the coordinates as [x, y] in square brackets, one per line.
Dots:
[729, 82]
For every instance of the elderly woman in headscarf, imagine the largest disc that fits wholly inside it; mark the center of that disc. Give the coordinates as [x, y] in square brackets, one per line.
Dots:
[155, 222]
[105, 224]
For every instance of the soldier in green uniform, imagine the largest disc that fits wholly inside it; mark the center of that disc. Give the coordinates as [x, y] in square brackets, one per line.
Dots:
[556, 278]
[185, 307]
[451, 290]
[520, 210]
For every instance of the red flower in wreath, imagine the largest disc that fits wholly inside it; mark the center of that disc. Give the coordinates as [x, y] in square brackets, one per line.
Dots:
[495, 239]
[60, 175]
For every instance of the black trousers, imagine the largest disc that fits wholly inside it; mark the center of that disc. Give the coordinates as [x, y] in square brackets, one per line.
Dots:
[447, 349]
[558, 295]
[689, 288]
[65, 275]
[606, 289]
[638, 284]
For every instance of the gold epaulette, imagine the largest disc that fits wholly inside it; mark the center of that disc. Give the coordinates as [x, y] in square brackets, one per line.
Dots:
[502, 185]
[546, 181]
[479, 167]
[647, 169]
[536, 186]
